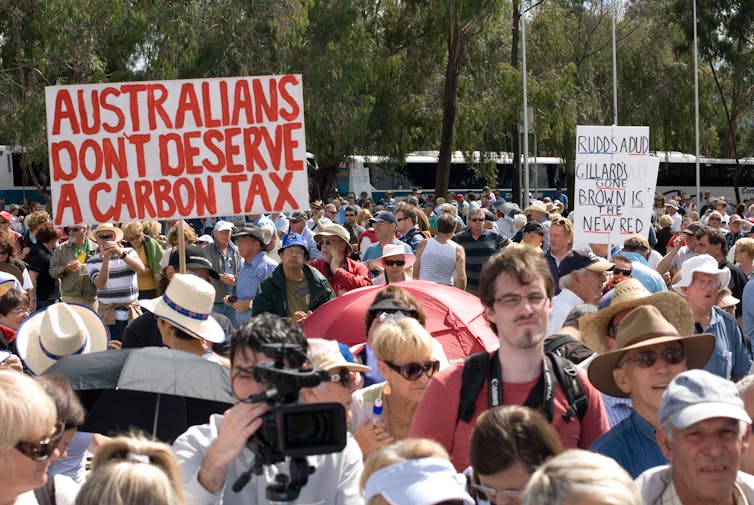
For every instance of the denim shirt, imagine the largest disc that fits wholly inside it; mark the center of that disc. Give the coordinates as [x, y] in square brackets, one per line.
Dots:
[632, 444]
[730, 359]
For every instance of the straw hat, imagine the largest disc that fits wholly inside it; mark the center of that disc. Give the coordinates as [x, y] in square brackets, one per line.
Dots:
[335, 230]
[60, 330]
[395, 250]
[106, 227]
[645, 327]
[187, 304]
[629, 294]
[326, 354]
[536, 207]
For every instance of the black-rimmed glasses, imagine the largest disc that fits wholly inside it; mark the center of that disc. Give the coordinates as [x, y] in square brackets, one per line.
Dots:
[413, 371]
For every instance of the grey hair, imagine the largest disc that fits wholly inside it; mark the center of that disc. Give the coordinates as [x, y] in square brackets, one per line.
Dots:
[576, 475]
[566, 281]
[668, 428]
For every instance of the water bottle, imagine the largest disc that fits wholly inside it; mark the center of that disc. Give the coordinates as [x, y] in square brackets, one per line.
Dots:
[377, 412]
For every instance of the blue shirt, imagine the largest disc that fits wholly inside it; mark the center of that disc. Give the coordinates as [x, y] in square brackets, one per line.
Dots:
[250, 276]
[642, 272]
[730, 358]
[747, 305]
[632, 444]
[374, 251]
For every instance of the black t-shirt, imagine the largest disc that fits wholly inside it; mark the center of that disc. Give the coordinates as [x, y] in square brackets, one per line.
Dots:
[39, 262]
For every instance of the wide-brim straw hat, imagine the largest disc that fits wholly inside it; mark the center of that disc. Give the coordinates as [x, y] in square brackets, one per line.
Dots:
[187, 304]
[629, 294]
[106, 227]
[536, 207]
[60, 330]
[645, 327]
[395, 250]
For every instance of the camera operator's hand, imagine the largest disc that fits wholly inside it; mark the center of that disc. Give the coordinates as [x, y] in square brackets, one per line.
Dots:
[239, 423]
[371, 436]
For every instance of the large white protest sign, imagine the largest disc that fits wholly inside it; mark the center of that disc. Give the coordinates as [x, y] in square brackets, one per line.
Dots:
[169, 149]
[615, 184]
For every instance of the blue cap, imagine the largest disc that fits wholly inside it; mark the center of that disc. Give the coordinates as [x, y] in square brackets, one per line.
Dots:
[291, 239]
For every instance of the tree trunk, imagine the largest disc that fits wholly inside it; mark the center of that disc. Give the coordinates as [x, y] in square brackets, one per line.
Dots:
[515, 137]
[455, 49]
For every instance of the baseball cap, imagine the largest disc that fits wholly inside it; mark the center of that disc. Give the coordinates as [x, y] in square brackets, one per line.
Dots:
[6, 215]
[223, 226]
[692, 228]
[385, 216]
[291, 239]
[697, 395]
[196, 257]
[583, 258]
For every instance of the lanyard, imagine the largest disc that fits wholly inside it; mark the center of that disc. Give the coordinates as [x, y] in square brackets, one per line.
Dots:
[540, 396]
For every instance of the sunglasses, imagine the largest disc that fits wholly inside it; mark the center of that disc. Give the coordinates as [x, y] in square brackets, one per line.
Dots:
[477, 220]
[412, 371]
[402, 219]
[344, 376]
[326, 242]
[40, 451]
[621, 271]
[106, 236]
[393, 263]
[350, 215]
[648, 357]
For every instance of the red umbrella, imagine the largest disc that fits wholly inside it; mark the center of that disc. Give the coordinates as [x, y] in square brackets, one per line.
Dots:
[454, 317]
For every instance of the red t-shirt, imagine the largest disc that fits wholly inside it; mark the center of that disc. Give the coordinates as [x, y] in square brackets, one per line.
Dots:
[436, 417]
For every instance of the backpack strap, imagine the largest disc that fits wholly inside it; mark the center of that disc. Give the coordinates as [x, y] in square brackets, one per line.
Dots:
[569, 380]
[472, 379]
[551, 346]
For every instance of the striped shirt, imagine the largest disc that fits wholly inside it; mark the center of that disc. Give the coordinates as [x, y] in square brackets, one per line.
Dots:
[121, 286]
[478, 251]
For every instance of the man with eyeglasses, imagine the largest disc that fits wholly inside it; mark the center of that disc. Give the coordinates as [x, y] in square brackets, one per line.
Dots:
[649, 353]
[212, 456]
[354, 230]
[408, 231]
[516, 291]
[385, 226]
[479, 244]
[699, 283]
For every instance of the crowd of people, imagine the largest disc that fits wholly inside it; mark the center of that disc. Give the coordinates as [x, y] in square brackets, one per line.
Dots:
[621, 376]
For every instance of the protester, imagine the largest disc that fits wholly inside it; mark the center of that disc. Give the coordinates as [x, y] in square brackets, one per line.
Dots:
[709, 241]
[68, 264]
[294, 289]
[395, 263]
[14, 308]
[704, 431]
[679, 249]
[385, 226]
[508, 444]
[212, 456]
[415, 471]
[132, 470]
[9, 263]
[507, 279]
[113, 271]
[59, 330]
[744, 256]
[226, 261]
[577, 476]
[150, 253]
[479, 245]
[183, 316]
[46, 290]
[29, 437]
[406, 216]
[636, 249]
[252, 243]
[403, 349]
[726, 301]
[649, 353]
[342, 272]
[189, 238]
[582, 277]
[699, 283]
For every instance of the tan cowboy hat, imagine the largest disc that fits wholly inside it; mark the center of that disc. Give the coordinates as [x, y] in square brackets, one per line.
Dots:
[395, 250]
[106, 227]
[629, 294]
[644, 327]
[187, 304]
[335, 230]
[59, 330]
[536, 207]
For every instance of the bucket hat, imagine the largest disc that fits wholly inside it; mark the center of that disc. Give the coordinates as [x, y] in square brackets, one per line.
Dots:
[705, 264]
[106, 227]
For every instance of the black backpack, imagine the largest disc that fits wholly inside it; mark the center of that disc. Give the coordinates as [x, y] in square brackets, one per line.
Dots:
[475, 373]
[568, 347]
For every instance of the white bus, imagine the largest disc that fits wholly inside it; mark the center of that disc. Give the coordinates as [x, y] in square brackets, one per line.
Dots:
[678, 173]
[15, 183]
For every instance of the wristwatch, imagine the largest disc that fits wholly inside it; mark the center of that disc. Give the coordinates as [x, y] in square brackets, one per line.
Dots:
[123, 255]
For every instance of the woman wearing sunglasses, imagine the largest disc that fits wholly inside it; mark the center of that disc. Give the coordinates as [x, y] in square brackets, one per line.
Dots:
[396, 265]
[403, 349]
[29, 437]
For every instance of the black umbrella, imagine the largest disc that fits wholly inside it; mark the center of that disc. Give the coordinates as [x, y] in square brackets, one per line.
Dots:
[158, 390]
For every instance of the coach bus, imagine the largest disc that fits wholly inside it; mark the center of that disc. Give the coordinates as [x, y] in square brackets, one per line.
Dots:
[16, 185]
[378, 174]
[678, 173]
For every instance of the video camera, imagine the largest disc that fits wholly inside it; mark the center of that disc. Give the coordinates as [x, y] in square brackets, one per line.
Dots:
[290, 429]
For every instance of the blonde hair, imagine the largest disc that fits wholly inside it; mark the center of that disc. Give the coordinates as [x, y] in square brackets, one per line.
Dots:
[364, 215]
[152, 228]
[410, 448]
[745, 244]
[131, 228]
[404, 337]
[665, 221]
[188, 234]
[26, 411]
[576, 475]
[133, 470]
[35, 219]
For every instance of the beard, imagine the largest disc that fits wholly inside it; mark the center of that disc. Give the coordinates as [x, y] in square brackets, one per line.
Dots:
[529, 339]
